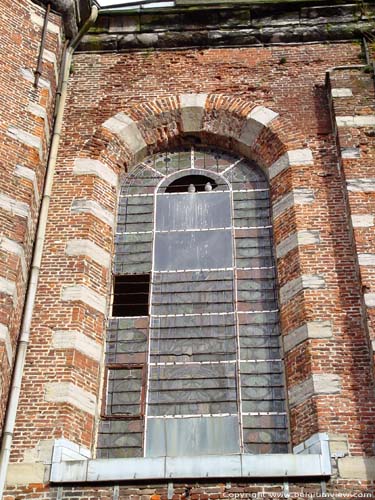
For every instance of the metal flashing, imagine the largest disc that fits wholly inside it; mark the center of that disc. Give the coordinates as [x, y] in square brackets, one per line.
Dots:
[205, 466]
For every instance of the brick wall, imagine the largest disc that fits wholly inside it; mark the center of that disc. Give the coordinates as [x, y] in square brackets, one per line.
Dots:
[327, 357]
[25, 123]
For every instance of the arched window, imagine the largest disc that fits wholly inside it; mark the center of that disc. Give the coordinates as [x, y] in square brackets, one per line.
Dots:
[193, 357]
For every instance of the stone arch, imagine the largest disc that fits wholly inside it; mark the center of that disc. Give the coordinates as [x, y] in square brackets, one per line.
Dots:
[231, 123]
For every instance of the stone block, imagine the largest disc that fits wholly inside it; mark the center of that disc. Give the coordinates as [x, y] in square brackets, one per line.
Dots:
[291, 158]
[14, 206]
[30, 77]
[262, 115]
[4, 337]
[42, 452]
[299, 238]
[366, 259]
[310, 330]
[298, 196]
[304, 282]
[94, 208]
[350, 153]
[88, 166]
[89, 249]
[369, 299]
[72, 339]
[29, 174]
[11, 246]
[26, 138]
[338, 445]
[127, 131]
[69, 393]
[84, 294]
[256, 120]
[360, 468]
[39, 21]
[9, 288]
[192, 111]
[318, 384]
[342, 92]
[361, 185]
[356, 121]
[362, 220]
[25, 473]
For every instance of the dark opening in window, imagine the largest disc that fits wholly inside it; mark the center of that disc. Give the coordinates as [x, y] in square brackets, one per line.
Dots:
[131, 294]
[200, 183]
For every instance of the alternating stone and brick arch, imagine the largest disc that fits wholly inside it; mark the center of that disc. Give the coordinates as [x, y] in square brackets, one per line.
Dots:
[233, 124]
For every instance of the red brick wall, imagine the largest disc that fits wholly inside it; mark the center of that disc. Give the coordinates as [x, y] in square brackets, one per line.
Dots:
[103, 85]
[24, 109]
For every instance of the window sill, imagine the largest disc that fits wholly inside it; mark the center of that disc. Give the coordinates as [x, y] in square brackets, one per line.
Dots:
[209, 466]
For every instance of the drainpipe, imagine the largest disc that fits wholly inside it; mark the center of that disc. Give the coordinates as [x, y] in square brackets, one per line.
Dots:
[37, 257]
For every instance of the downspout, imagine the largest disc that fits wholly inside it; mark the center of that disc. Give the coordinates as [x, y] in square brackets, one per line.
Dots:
[37, 258]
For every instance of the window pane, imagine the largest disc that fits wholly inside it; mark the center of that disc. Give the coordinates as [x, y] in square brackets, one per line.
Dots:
[192, 436]
[193, 211]
[193, 250]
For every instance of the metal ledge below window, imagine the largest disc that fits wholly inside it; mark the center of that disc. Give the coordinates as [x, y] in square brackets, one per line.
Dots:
[200, 467]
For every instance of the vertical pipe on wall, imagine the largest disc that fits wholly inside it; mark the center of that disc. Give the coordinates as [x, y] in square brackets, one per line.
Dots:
[38, 70]
[37, 258]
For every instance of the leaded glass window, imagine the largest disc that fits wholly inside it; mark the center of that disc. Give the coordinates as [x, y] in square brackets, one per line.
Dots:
[201, 373]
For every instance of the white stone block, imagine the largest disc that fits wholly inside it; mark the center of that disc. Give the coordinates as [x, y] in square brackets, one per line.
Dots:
[51, 57]
[318, 384]
[30, 77]
[9, 288]
[67, 445]
[362, 220]
[72, 339]
[28, 174]
[304, 282]
[289, 159]
[37, 110]
[87, 166]
[26, 138]
[366, 259]
[25, 473]
[39, 21]
[309, 330]
[250, 132]
[11, 246]
[256, 120]
[13, 206]
[40, 111]
[299, 238]
[338, 445]
[192, 111]
[262, 115]
[42, 452]
[94, 208]
[298, 196]
[127, 131]
[357, 468]
[342, 92]
[350, 153]
[4, 337]
[361, 185]
[84, 294]
[355, 121]
[369, 299]
[69, 393]
[89, 249]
